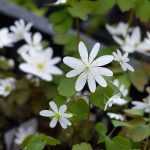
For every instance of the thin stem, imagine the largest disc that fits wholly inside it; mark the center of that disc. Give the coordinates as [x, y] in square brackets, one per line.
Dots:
[112, 131]
[146, 144]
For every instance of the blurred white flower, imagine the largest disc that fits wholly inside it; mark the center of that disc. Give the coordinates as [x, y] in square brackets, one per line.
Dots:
[123, 60]
[132, 42]
[33, 42]
[40, 64]
[120, 29]
[122, 89]
[57, 115]
[22, 134]
[145, 105]
[58, 2]
[33, 79]
[5, 38]
[7, 86]
[85, 96]
[115, 100]
[145, 45]
[88, 69]
[20, 29]
[116, 116]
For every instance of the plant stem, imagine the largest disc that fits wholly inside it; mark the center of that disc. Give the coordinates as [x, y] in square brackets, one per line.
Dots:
[112, 131]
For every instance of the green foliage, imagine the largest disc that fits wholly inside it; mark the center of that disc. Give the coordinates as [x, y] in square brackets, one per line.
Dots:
[38, 142]
[101, 130]
[82, 146]
[101, 96]
[118, 143]
[79, 108]
[66, 87]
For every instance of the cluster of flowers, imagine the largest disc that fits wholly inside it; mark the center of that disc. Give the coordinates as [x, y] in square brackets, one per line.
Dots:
[38, 61]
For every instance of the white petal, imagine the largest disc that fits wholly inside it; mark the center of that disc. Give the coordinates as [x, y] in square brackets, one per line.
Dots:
[46, 113]
[37, 38]
[104, 71]
[62, 109]
[100, 80]
[103, 60]
[53, 122]
[136, 35]
[91, 82]
[55, 70]
[118, 40]
[73, 62]
[73, 73]
[53, 106]
[130, 68]
[83, 52]
[44, 76]
[94, 52]
[27, 68]
[64, 122]
[81, 81]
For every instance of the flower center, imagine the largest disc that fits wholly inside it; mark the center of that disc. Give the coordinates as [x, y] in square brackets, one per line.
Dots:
[40, 66]
[57, 115]
[8, 88]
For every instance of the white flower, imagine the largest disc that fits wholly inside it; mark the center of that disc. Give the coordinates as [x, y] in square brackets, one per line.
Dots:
[7, 86]
[145, 45]
[58, 2]
[122, 89]
[5, 38]
[132, 42]
[123, 60]
[116, 116]
[120, 29]
[40, 63]
[33, 42]
[20, 29]
[57, 115]
[88, 69]
[22, 134]
[142, 105]
[115, 100]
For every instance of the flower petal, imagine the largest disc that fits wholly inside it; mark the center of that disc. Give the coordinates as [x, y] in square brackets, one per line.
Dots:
[46, 113]
[83, 52]
[73, 73]
[100, 80]
[91, 82]
[64, 123]
[103, 60]
[81, 81]
[53, 106]
[62, 109]
[73, 62]
[53, 122]
[94, 52]
[104, 71]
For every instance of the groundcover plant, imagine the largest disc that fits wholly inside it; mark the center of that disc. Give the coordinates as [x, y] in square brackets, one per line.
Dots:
[82, 99]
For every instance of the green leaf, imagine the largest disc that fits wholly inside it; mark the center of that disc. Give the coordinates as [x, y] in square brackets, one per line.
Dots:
[38, 142]
[125, 5]
[101, 130]
[81, 9]
[118, 143]
[101, 96]
[79, 108]
[117, 123]
[138, 132]
[66, 87]
[142, 10]
[134, 112]
[105, 6]
[82, 146]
